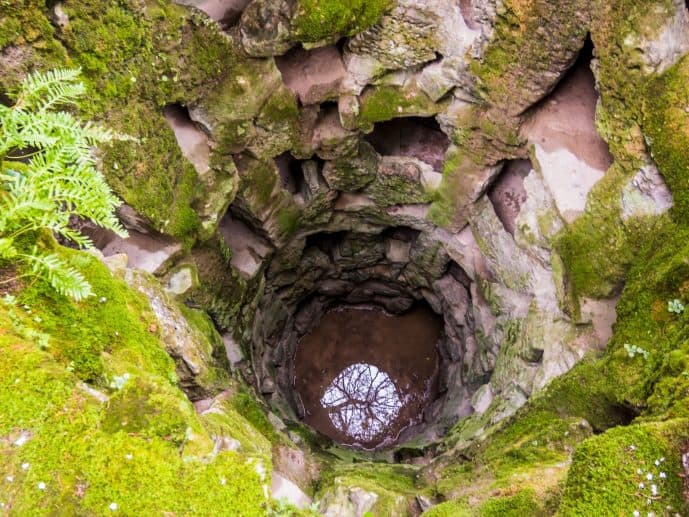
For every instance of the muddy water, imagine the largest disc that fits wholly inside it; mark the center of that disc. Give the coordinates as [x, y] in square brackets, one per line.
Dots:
[364, 375]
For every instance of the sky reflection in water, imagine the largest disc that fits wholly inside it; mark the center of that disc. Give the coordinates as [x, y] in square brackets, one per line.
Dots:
[362, 401]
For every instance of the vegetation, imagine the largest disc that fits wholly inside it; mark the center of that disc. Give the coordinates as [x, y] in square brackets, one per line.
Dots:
[89, 386]
[92, 420]
[319, 19]
[48, 176]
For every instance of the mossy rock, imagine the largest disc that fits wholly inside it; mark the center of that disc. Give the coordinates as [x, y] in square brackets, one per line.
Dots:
[317, 20]
[666, 123]
[132, 443]
[385, 102]
[615, 472]
[521, 504]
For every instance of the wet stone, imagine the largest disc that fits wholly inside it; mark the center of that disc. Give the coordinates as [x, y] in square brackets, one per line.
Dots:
[365, 375]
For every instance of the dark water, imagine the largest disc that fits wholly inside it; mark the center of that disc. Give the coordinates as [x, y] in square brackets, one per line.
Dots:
[364, 375]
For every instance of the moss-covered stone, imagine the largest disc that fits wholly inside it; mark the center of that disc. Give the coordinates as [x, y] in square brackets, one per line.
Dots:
[317, 20]
[398, 182]
[128, 440]
[616, 472]
[386, 102]
[666, 124]
[630, 98]
[392, 484]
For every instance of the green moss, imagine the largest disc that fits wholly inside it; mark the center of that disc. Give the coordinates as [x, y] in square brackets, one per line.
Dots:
[598, 248]
[245, 404]
[144, 449]
[666, 123]
[29, 36]
[449, 509]
[148, 409]
[443, 209]
[221, 291]
[523, 503]
[514, 60]
[386, 102]
[394, 484]
[519, 505]
[607, 471]
[320, 19]
[227, 420]
[621, 77]
[214, 378]
[395, 186]
[288, 220]
[82, 332]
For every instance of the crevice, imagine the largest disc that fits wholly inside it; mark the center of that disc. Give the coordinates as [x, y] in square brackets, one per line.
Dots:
[291, 174]
[582, 62]
[413, 137]
[226, 12]
[249, 249]
[193, 142]
[508, 194]
[325, 241]
[314, 76]
[616, 415]
[467, 9]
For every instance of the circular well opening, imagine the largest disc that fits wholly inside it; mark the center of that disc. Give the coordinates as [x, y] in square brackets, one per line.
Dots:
[364, 375]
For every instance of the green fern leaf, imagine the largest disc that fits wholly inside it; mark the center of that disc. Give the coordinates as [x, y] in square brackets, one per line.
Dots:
[64, 279]
[48, 174]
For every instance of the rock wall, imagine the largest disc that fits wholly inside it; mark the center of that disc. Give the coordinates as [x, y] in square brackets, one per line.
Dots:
[517, 164]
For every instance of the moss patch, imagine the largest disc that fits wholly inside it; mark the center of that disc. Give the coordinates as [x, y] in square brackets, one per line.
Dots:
[666, 123]
[137, 445]
[387, 102]
[316, 20]
[615, 472]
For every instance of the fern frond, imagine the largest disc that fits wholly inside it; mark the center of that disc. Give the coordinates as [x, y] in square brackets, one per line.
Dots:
[40, 88]
[48, 173]
[63, 278]
[76, 237]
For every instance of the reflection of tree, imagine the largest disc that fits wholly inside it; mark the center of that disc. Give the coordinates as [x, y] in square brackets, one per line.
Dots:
[362, 401]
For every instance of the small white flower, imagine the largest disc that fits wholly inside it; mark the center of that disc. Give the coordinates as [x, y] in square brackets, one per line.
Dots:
[654, 489]
[651, 514]
[662, 459]
[128, 456]
[21, 440]
[223, 481]
[2, 505]
[9, 479]
[639, 471]
[25, 466]
[632, 447]
[649, 476]
[113, 506]
[663, 475]
[102, 299]
[636, 513]
[641, 485]
[41, 485]
[657, 462]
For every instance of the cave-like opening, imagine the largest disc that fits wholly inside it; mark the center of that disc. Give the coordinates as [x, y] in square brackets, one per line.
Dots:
[414, 137]
[508, 194]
